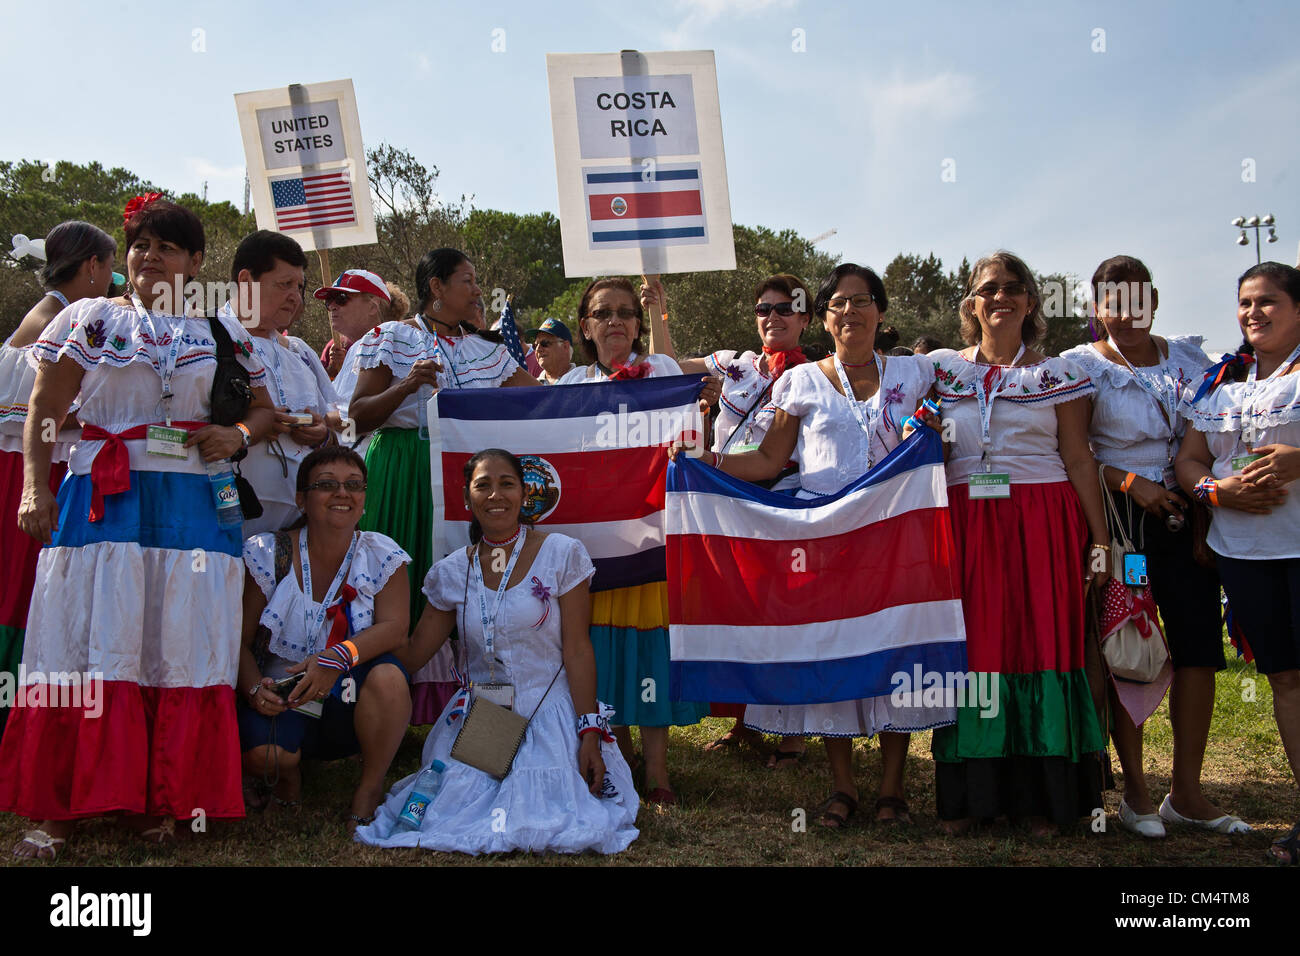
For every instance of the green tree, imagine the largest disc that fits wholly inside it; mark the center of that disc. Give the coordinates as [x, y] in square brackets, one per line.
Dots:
[520, 255]
[924, 299]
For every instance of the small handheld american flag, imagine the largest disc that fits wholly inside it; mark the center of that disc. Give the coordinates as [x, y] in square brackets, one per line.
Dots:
[510, 333]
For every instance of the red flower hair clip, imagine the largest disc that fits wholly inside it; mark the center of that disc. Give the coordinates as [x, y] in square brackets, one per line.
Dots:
[138, 204]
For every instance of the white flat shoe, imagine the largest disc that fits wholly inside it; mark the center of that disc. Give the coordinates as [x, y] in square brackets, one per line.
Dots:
[1143, 824]
[1224, 824]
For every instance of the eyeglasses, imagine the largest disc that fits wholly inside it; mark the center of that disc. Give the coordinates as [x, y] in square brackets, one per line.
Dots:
[332, 485]
[764, 309]
[604, 315]
[545, 343]
[841, 302]
[338, 298]
[990, 289]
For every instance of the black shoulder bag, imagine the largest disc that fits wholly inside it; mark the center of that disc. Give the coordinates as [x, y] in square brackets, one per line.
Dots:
[232, 394]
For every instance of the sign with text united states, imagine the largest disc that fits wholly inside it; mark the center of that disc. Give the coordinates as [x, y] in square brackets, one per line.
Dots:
[306, 163]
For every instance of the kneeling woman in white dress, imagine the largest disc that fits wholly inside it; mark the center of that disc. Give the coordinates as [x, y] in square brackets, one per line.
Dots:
[519, 598]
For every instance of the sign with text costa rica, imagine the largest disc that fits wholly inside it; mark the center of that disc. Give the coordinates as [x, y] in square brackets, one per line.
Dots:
[307, 164]
[639, 163]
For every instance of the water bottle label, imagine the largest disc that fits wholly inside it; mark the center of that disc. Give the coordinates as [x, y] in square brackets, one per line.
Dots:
[415, 808]
[227, 495]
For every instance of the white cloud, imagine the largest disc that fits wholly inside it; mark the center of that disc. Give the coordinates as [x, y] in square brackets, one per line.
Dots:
[898, 104]
[422, 65]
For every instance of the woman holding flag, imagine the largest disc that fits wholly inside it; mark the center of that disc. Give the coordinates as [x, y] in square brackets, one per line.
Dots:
[1024, 499]
[1241, 456]
[743, 416]
[399, 367]
[838, 418]
[121, 587]
[629, 626]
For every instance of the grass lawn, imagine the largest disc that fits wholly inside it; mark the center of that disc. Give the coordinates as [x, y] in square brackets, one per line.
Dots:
[734, 812]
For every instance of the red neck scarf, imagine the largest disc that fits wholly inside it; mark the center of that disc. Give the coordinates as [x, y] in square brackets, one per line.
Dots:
[338, 615]
[780, 360]
[623, 372]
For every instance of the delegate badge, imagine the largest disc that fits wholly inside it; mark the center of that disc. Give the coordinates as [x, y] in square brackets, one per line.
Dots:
[1241, 461]
[990, 485]
[167, 442]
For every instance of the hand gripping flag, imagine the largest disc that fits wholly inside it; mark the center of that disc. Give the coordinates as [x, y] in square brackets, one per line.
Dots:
[778, 600]
[594, 462]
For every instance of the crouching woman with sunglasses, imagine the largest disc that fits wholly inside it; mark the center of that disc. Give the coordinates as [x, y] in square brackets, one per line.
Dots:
[324, 608]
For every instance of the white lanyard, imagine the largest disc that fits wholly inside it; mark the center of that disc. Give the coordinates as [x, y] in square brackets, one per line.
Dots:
[167, 367]
[316, 618]
[1166, 396]
[490, 624]
[867, 420]
[59, 295]
[275, 367]
[1248, 410]
[985, 401]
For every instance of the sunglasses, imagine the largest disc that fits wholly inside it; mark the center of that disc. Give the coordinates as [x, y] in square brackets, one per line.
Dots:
[764, 309]
[338, 298]
[332, 485]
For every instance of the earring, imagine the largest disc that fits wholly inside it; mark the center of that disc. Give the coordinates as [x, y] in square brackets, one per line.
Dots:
[437, 305]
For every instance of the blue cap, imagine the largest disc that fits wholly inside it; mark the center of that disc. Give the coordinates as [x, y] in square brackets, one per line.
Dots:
[552, 327]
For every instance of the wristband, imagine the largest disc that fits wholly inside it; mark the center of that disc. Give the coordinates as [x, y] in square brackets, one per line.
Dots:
[594, 724]
[337, 657]
[248, 436]
[1127, 482]
[1207, 489]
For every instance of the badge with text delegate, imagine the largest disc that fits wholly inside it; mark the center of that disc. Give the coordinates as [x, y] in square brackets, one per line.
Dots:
[641, 172]
[306, 163]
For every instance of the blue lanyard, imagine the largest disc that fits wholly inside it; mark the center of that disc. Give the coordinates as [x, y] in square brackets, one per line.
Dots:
[490, 624]
[317, 618]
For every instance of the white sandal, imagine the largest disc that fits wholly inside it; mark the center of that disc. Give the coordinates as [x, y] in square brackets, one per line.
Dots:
[43, 842]
[1148, 825]
[1224, 824]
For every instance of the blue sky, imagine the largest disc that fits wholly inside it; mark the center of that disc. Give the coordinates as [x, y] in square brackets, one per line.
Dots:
[1062, 154]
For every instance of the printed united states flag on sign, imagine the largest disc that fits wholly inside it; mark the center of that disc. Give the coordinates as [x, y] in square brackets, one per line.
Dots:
[320, 199]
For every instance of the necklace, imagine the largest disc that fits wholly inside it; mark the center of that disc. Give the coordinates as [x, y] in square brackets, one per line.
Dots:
[507, 542]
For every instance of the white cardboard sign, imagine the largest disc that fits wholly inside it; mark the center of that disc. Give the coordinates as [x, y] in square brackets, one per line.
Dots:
[307, 164]
[639, 163]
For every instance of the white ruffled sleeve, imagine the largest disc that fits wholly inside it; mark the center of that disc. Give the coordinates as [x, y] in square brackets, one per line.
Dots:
[575, 564]
[791, 393]
[444, 585]
[259, 558]
[393, 344]
[79, 332]
[718, 361]
[378, 557]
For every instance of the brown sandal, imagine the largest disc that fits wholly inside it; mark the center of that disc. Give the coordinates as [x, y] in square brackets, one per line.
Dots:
[837, 821]
[901, 814]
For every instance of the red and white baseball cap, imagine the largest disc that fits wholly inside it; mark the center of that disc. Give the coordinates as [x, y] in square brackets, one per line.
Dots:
[356, 280]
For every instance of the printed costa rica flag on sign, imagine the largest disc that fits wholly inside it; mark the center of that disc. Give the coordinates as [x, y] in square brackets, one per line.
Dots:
[654, 205]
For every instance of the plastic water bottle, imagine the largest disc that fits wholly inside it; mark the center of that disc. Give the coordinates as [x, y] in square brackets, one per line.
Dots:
[221, 479]
[426, 788]
[422, 410]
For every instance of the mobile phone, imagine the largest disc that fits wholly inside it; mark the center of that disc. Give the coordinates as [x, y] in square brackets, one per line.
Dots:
[1135, 570]
[303, 418]
[285, 685]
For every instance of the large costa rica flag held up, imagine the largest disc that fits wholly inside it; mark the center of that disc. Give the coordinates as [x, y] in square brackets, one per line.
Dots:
[778, 600]
[594, 463]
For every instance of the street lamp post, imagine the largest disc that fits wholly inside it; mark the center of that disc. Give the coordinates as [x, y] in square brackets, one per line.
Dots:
[1257, 223]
